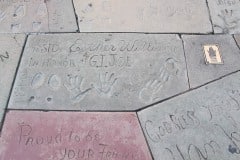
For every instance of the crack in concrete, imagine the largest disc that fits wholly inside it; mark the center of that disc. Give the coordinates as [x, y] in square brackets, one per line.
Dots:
[145, 136]
[209, 14]
[190, 90]
[185, 60]
[238, 45]
[76, 16]
[15, 75]
[45, 1]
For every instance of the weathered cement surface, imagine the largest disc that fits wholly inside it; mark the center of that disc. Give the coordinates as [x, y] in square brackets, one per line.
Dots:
[99, 71]
[225, 15]
[237, 38]
[199, 72]
[201, 124]
[17, 16]
[72, 136]
[185, 16]
[10, 51]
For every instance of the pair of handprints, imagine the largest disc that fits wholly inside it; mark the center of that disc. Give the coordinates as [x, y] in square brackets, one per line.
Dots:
[229, 19]
[104, 87]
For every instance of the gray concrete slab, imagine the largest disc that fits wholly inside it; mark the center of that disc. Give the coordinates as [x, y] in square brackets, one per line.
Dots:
[10, 51]
[18, 16]
[237, 38]
[99, 71]
[225, 15]
[201, 124]
[185, 16]
[198, 71]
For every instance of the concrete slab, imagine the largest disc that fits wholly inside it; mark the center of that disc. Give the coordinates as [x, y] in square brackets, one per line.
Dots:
[201, 124]
[237, 38]
[18, 16]
[199, 72]
[225, 15]
[185, 16]
[10, 51]
[99, 71]
[72, 135]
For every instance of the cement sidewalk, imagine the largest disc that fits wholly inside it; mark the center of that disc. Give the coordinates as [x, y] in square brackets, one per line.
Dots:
[120, 80]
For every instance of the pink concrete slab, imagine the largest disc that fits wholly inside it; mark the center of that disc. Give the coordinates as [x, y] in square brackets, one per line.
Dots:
[72, 136]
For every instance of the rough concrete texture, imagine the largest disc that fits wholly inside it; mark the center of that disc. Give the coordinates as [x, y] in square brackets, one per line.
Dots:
[10, 51]
[17, 16]
[237, 38]
[198, 71]
[72, 136]
[225, 15]
[201, 124]
[99, 71]
[185, 16]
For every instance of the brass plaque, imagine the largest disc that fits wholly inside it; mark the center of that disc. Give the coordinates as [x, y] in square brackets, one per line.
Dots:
[212, 54]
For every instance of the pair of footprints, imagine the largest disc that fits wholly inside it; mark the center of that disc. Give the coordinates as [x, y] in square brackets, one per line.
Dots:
[104, 87]
[153, 87]
[20, 11]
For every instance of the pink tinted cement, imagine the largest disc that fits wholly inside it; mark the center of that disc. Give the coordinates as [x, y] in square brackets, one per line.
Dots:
[72, 136]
